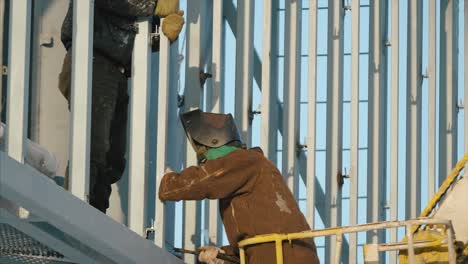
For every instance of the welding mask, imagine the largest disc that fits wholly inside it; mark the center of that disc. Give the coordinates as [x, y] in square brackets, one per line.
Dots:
[209, 130]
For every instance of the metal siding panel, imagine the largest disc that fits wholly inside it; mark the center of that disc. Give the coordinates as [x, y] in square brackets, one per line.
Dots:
[137, 154]
[80, 125]
[414, 101]
[18, 78]
[162, 133]
[244, 66]
[292, 94]
[354, 149]
[192, 217]
[312, 99]
[269, 123]
[334, 118]
[394, 121]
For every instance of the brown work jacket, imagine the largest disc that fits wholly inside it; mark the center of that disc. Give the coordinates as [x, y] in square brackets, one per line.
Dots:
[253, 200]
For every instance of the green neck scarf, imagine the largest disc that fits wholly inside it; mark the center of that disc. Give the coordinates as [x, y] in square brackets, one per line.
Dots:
[214, 153]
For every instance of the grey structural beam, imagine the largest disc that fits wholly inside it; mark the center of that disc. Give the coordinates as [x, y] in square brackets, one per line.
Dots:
[137, 153]
[334, 125]
[88, 229]
[81, 90]
[394, 120]
[413, 106]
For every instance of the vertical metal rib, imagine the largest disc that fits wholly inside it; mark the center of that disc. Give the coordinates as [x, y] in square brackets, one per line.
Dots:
[377, 141]
[465, 14]
[394, 120]
[2, 32]
[82, 48]
[137, 154]
[431, 71]
[413, 119]
[269, 125]
[354, 169]
[334, 117]
[244, 68]
[292, 68]
[448, 93]
[192, 217]
[215, 103]
[162, 133]
[312, 98]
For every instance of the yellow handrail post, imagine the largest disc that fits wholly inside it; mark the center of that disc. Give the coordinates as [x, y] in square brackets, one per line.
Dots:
[279, 251]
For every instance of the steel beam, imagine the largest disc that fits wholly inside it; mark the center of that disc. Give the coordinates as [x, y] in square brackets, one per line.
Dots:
[71, 254]
[18, 78]
[292, 66]
[311, 99]
[413, 119]
[137, 153]
[269, 88]
[72, 217]
[162, 133]
[334, 118]
[215, 104]
[244, 68]
[81, 85]
[448, 93]
[192, 217]
[465, 14]
[394, 120]
[431, 71]
[354, 148]
[2, 32]
[377, 120]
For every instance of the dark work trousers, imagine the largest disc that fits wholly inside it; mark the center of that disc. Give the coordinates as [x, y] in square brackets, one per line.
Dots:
[108, 126]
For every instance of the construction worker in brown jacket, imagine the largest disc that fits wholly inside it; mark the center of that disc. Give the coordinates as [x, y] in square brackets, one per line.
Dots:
[253, 197]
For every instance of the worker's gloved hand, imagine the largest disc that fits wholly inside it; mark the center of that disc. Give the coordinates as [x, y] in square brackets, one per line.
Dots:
[166, 7]
[172, 25]
[208, 255]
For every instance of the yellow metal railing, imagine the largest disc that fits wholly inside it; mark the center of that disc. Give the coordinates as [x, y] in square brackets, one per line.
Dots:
[338, 232]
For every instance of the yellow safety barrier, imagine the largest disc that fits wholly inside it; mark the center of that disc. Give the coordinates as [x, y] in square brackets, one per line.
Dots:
[410, 245]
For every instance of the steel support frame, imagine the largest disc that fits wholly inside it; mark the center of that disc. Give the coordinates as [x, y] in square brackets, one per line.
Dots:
[414, 103]
[354, 148]
[431, 71]
[50, 202]
[311, 99]
[334, 119]
[377, 120]
[81, 90]
[292, 66]
[465, 15]
[137, 153]
[18, 78]
[2, 33]
[449, 82]
[215, 103]
[269, 84]
[394, 120]
[70, 253]
[244, 69]
[162, 133]
[193, 95]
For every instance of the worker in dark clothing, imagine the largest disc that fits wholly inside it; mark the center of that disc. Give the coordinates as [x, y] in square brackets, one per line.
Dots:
[253, 197]
[115, 29]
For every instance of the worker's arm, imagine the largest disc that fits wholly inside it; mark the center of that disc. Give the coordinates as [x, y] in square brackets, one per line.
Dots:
[127, 8]
[215, 179]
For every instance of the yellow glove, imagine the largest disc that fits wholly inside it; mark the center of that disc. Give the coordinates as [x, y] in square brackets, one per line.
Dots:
[166, 7]
[172, 25]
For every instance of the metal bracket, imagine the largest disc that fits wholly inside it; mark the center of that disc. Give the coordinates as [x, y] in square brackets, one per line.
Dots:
[387, 43]
[460, 105]
[252, 113]
[180, 100]
[426, 75]
[341, 177]
[4, 70]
